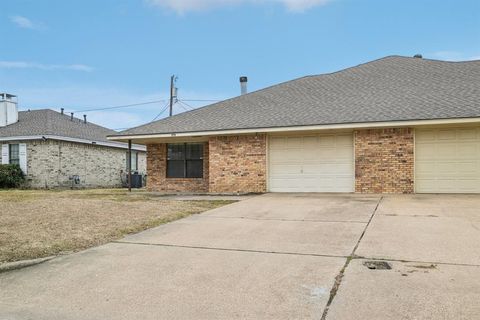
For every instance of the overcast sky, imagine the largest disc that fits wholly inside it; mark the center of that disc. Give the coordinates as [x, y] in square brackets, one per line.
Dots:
[91, 54]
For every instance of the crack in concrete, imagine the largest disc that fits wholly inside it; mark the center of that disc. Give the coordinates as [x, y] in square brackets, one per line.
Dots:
[339, 277]
[230, 249]
[417, 261]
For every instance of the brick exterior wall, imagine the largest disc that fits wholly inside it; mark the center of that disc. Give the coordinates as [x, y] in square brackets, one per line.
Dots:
[238, 163]
[157, 172]
[384, 160]
[50, 164]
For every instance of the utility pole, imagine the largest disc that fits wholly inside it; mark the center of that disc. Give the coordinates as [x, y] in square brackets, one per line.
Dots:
[172, 88]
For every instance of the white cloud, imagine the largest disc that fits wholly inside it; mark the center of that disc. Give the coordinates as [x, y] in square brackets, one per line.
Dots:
[24, 22]
[33, 65]
[454, 56]
[183, 6]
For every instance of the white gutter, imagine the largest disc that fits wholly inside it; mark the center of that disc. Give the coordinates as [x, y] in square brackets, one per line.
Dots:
[120, 145]
[407, 123]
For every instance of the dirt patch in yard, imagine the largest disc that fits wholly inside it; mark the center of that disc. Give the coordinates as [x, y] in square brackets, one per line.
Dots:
[37, 223]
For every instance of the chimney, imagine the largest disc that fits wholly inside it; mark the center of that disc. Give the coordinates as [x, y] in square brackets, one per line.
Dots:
[84, 118]
[8, 109]
[243, 85]
[71, 116]
[61, 110]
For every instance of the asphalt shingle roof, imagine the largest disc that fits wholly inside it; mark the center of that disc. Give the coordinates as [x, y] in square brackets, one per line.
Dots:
[393, 88]
[48, 122]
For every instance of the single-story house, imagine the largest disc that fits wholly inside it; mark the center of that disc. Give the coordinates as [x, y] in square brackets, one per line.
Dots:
[58, 150]
[393, 125]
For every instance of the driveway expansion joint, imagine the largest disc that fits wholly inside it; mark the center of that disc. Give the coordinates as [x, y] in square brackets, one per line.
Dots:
[230, 249]
[339, 277]
[288, 220]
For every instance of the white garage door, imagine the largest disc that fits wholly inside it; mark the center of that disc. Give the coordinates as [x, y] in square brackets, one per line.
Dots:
[447, 160]
[314, 163]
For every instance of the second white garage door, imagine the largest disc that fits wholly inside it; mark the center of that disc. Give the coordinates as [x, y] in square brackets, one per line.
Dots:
[447, 160]
[313, 163]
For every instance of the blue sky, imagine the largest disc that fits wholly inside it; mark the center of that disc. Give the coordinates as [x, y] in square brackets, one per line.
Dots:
[91, 54]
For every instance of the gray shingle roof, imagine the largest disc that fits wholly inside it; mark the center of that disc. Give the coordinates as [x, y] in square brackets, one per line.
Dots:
[48, 122]
[393, 88]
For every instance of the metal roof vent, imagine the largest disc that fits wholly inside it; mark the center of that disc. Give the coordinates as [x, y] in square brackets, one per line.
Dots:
[243, 85]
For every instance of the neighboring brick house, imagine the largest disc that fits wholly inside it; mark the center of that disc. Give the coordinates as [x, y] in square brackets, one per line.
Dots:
[393, 125]
[53, 148]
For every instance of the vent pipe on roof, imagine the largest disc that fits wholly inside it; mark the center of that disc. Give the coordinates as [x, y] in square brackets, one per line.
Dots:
[61, 110]
[71, 116]
[418, 55]
[243, 85]
[84, 118]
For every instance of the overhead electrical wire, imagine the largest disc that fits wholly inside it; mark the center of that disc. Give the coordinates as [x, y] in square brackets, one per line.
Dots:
[160, 113]
[122, 106]
[187, 105]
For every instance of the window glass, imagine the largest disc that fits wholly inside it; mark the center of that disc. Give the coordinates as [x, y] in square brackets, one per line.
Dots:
[14, 154]
[176, 169]
[194, 168]
[185, 160]
[194, 151]
[134, 159]
[176, 151]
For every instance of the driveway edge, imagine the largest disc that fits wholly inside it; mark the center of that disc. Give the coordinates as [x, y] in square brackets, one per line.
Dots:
[10, 266]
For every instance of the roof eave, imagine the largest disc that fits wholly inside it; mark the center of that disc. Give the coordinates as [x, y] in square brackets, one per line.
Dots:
[337, 126]
[112, 144]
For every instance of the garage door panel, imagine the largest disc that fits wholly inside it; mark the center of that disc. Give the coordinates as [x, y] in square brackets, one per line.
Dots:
[446, 151]
[327, 141]
[344, 140]
[447, 160]
[311, 163]
[319, 168]
[425, 151]
[426, 136]
[467, 134]
[286, 169]
[294, 143]
[277, 143]
[447, 134]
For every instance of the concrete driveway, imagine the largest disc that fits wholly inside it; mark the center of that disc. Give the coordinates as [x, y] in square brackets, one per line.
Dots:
[275, 256]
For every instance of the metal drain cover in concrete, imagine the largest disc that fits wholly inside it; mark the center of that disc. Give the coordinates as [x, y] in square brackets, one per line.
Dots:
[377, 265]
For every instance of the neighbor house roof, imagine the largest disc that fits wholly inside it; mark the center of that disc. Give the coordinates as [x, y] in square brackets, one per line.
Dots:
[393, 88]
[51, 124]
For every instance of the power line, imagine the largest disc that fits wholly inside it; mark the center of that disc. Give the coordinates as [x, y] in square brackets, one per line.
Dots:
[139, 104]
[184, 108]
[160, 113]
[201, 100]
[186, 104]
[122, 106]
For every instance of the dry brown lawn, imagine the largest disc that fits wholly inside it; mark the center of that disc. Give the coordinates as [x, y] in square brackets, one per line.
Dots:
[37, 223]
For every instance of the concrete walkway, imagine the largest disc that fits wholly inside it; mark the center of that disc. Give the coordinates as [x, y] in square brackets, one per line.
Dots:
[276, 256]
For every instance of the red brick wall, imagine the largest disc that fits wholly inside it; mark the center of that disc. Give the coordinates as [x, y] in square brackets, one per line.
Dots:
[384, 160]
[157, 172]
[238, 163]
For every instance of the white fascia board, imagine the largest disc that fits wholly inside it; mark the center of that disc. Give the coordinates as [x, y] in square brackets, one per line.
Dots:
[136, 147]
[387, 124]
